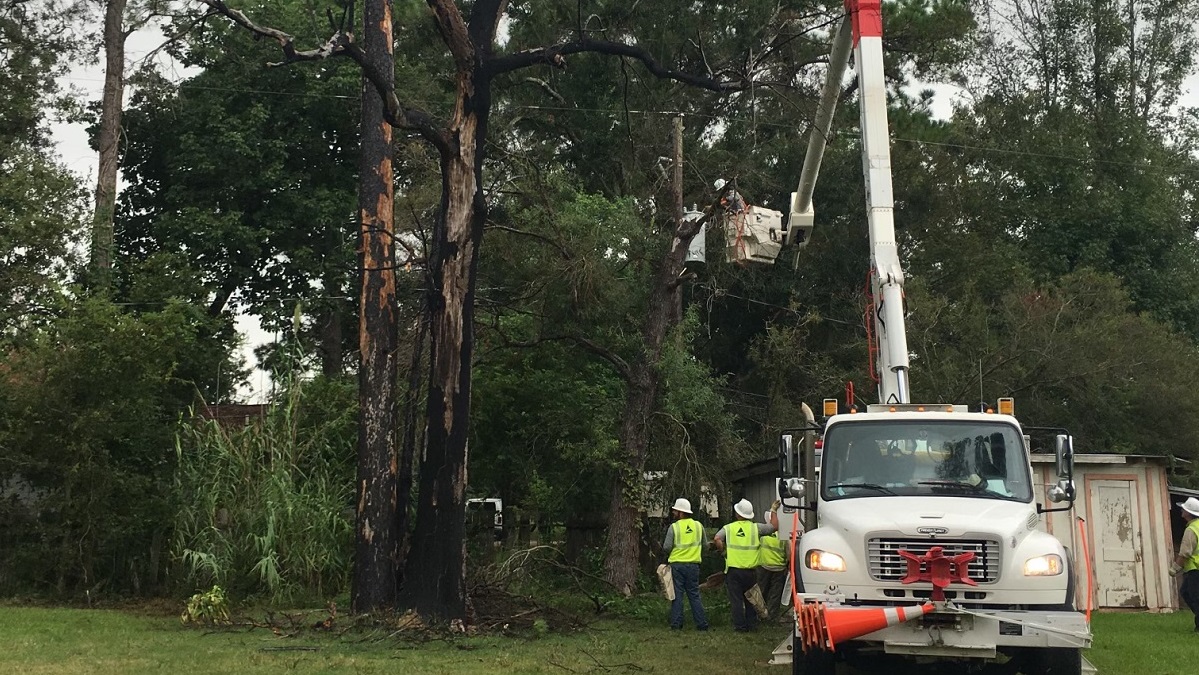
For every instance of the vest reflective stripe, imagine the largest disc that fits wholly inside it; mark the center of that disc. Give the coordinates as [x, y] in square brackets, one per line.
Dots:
[741, 544]
[773, 551]
[1192, 562]
[688, 541]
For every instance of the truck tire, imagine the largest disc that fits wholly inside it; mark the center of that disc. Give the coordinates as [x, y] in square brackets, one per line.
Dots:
[1071, 584]
[1063, 661]
[815, 662]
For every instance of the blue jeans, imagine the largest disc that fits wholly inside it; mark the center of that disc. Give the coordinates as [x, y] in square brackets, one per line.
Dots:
[737, 581]
[686, 581]
[1189, 592]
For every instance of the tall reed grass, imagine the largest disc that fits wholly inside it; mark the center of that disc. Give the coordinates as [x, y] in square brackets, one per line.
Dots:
[264, 509]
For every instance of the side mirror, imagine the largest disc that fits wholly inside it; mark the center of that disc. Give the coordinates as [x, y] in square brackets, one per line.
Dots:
[1062, 492]
[1063, 449]
[787, 457]
[792, 488]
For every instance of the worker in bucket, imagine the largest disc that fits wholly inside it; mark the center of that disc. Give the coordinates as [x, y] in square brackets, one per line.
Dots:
[731, 201]
[684, 545]
[741, 542]
[772, 573]
[1186, 562]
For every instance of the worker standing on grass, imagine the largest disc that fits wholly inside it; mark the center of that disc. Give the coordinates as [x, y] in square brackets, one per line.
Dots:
[1186, 562]
[684, 545]
[772, 574]
[741, 541]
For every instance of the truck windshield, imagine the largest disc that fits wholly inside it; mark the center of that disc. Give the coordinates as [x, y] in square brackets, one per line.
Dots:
[928, 458]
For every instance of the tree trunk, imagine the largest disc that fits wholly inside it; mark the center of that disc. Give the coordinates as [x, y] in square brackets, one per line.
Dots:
[329, 321]
[624, 509]
[435, 580]
[663, 313]
[111, 107]
[412, 438]
[376, 540]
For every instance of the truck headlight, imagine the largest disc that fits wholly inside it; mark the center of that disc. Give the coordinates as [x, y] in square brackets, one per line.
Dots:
[1043, 566]
[824, 561]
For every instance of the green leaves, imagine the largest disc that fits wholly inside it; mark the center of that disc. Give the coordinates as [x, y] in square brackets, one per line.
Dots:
[87, 409]
[265, 508]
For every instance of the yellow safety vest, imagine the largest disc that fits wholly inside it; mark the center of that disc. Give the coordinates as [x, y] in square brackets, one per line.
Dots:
[688, 541]
[1192, 562]
[773, 551]
[741, 545]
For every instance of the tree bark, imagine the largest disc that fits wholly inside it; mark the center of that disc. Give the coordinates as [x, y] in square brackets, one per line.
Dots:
[329, 322]
[412, 438]
[663, 313]
[376, 550]
[111, 107]
[435, 580]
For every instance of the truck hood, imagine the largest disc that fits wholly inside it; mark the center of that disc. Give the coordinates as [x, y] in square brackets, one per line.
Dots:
[944, 517]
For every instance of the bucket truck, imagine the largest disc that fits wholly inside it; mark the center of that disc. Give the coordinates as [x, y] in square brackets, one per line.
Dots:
[926, 512]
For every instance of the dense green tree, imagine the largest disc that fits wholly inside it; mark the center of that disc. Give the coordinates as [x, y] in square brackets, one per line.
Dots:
[87, 417]
[41, 211]
[1097, 166]
[40, 202]
[1074, 354]
[247, 175]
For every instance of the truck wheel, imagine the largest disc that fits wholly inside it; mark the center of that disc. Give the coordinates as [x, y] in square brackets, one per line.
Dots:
[1071, 583]
[1063, 661]
[815, 662]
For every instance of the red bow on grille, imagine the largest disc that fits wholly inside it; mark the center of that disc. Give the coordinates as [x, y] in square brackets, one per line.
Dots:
[938, 569]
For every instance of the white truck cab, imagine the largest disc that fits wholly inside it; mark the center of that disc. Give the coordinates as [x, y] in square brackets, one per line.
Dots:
[901, 486]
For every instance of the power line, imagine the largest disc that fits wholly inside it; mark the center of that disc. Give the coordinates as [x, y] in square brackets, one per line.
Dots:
[916, 141]
[712, 117]
[182, 84]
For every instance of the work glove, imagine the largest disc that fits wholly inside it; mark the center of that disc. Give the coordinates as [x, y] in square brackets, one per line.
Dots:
[774, 506]
[1175, 569]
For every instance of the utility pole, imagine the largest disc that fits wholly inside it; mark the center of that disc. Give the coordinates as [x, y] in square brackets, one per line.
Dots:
[678, 170]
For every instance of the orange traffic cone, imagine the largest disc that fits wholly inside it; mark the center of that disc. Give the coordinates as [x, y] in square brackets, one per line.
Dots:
[823, 627]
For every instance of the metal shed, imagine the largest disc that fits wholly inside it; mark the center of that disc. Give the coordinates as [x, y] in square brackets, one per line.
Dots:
[1123, 504]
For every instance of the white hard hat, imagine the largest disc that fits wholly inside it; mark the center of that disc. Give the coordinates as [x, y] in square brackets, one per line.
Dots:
[744, 509]
[681, 505]
[720, 182]
[1191, 506]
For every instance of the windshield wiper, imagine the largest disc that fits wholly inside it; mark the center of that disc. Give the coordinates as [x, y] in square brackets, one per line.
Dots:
[976, 488]
[865, 486]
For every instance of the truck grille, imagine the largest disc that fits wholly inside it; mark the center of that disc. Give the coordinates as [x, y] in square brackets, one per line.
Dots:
[887, 565]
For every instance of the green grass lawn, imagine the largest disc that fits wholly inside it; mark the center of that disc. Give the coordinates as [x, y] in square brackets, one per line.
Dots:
[50, 640]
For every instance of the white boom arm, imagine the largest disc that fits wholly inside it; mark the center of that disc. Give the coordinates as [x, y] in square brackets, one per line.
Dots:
[800, 222]
[864, 26]
[887, 274]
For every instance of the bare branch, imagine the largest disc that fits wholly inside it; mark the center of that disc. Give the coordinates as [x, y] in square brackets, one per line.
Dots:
[545, 86]
[565, 252]
[335, 46]
[555, 56]
[342, 44]
[621, 366]
[454, 33]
